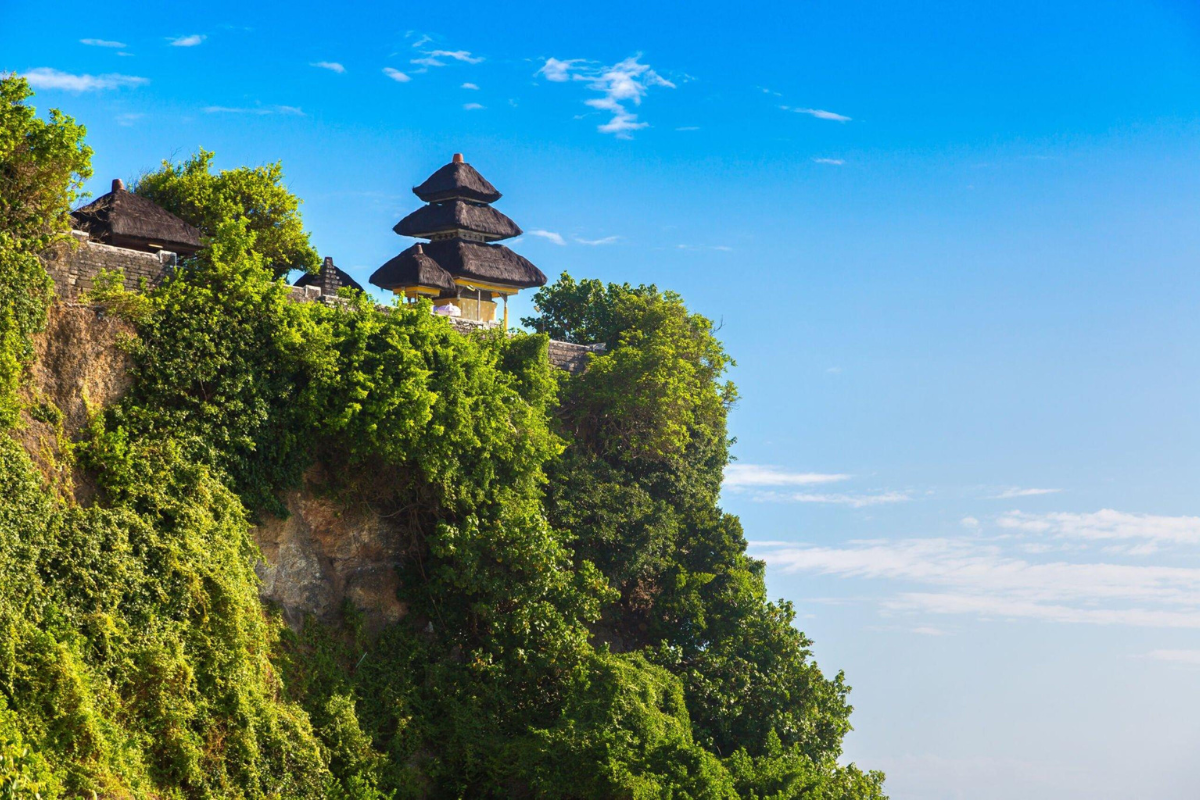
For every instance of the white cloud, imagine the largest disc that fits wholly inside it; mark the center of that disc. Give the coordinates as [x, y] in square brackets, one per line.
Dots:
[469, 86]
[721, 247]
[1106, 524]
[1017, 491]
[969, 577]
[557, 70]
[1189, 658]
[818, 113]
[928, 630]
[688, 128]
[597, 242]
[187, 41]
[396, 75]
[421, 39]
[969, 522]
[837, 162]
[427, 61]
[127, 120]
[261, 111]
[458, 55]
[551, 235]
[101, 43]
[621, 85]
[743, 475]
[472, 106]
[332, 66]
[836, 499]
[47, 78]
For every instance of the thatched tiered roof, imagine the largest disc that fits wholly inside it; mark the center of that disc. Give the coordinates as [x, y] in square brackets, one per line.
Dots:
[330, 278]
[123, 219]
[454, 216]
[413, 269]
[457, 179]
[489, 263]
[457, 218]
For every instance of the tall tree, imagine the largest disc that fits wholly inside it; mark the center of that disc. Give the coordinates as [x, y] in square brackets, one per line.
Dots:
[255, 195]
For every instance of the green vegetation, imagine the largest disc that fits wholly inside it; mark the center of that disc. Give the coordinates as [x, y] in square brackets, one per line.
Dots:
[583, 621]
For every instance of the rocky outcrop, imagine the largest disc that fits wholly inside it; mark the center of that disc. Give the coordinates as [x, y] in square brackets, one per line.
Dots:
[329, 552]
[79, 367]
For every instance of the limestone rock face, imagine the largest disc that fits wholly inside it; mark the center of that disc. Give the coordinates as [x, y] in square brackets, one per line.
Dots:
[326, 553]
[79, 368]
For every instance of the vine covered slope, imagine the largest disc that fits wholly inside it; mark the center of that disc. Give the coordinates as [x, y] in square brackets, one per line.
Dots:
[580, 617]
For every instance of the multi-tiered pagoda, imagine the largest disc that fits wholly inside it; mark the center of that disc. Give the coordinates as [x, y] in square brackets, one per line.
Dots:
[459, 267]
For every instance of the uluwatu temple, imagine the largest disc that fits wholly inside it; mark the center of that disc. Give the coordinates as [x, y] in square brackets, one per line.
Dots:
[459, 266]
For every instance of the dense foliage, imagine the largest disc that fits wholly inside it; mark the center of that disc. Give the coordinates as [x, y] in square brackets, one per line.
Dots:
[582, 619]
[254, 195]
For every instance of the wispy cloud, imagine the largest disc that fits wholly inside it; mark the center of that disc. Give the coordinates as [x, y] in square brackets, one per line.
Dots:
[738, 476]
[1189, 658]
[427, 61]
[1017, 491]
[559, 70]
[837, 162]
[966, 576]
[598, 242]
[262, 111]
[818, 113]
[620, 86]
[724, 248]
[688, 128]
[550, 235]
[421, 39]
[332, 66]
[458, 55]
[396, 75]
[187, 41]
[472, 107]
[101, 43]
[127, 120]
[47, 78]
[1107, 525]
[853, 500]
[469, 86]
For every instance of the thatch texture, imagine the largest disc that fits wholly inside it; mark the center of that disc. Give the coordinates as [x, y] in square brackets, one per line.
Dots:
[124, 219]
[330, 278]
[457, 215]
[410, 269]
[489, 263]
[456, 179]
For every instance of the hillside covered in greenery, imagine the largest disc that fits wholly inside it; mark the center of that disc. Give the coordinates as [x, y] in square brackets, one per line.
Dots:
[582, 618]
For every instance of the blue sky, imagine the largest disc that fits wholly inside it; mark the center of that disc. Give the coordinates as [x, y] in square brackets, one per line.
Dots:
[953, 247]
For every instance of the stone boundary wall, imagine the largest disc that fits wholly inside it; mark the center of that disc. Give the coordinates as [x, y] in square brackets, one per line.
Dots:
[74, 270]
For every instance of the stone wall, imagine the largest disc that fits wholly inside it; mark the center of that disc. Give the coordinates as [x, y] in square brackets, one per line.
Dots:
[73, 266]
[572, 357]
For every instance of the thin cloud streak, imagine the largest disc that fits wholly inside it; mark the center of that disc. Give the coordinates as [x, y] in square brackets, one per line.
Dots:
[1016, 491]
[187, 41]
[819, 113]
[549, 235]
[102, 43]
[48, 78]
[738, 476]
[598, 242]
[332, 66]
[396, 75]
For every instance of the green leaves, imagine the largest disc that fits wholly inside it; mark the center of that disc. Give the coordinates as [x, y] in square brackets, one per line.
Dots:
[253, 195]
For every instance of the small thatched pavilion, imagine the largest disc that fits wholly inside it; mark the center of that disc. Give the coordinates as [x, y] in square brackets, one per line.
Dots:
[460, 267]
[123, 219]
[330, 278]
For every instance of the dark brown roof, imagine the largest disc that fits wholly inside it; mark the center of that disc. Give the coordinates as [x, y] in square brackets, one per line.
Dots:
[456, 179]
[457, 215]
[412, 268]
[488, 263]
[322, 278]
[123, 218]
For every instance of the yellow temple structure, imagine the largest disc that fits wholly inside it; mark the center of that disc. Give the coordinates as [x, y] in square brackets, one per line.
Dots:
[460, 267]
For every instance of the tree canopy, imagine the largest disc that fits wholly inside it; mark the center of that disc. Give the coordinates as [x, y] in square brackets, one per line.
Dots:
[256, 195]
